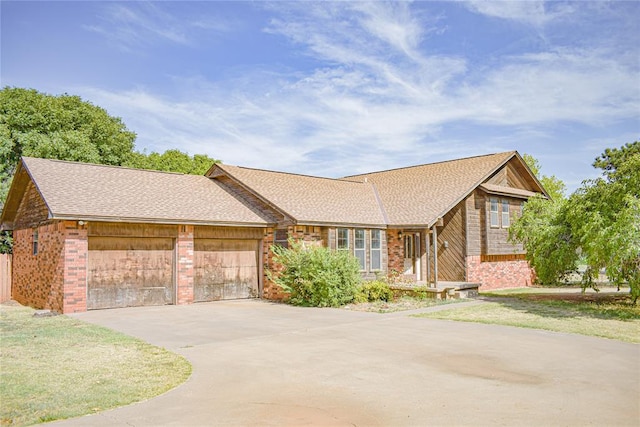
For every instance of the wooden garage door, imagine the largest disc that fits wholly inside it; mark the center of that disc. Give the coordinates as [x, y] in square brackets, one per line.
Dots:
[225, 269]
[130, 271]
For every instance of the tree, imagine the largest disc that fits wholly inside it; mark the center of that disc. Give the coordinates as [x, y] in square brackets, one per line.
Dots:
[57, 127]
[65, 127]
[555, 186]
[172, 161]
[546, 235]
[599, 225]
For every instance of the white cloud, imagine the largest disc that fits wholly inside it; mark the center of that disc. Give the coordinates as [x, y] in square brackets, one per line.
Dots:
[133, 25]
[536, 13]
[380, 98]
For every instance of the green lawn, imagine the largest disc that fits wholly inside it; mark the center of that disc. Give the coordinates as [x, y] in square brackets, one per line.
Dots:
[57, 367]
[606, 314]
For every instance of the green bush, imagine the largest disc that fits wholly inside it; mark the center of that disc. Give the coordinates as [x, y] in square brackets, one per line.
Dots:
[376, 290]
[316, 276]
[420, 292]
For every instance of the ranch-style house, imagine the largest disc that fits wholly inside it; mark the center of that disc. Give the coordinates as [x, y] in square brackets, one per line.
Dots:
[90, 236]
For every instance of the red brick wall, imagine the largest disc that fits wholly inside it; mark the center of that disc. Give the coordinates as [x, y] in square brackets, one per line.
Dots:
[497, 275]
[270, 290]
[56, 277]
[37, 279]
[311, 234]
[395, 251]
[76, 251]
[184, 247]
[306, 234]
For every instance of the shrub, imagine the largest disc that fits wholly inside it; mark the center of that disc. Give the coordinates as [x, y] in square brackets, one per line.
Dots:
[316, 276]
[420, 292]
[376, 290]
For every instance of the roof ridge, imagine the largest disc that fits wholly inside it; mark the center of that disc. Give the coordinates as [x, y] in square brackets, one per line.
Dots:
[293, 174]
[73, 162]
[430, 164]
[376, 194]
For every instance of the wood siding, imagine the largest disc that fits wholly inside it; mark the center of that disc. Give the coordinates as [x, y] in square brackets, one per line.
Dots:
[451, 259]
[225, 269]
[5, 277]
[497, 238]
[513, 175]
[204, 232]
[473, 225]
[130, 271]
[120, 229]
[32, 211]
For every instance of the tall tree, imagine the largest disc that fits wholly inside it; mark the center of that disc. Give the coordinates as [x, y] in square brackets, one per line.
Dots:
[598, 224]
[58, 127]
[65, 127]
[172, 161]
[555, 186]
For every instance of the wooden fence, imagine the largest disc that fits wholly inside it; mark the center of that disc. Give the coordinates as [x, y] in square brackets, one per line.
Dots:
[5, 277]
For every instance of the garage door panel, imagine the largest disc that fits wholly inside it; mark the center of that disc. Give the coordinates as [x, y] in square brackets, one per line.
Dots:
[225, 269]
[125, 272]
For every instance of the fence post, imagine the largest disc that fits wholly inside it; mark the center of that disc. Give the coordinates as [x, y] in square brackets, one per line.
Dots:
[5, 277]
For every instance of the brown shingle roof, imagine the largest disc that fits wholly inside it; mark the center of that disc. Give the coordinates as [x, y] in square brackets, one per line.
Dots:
[87, 191]
[309, 199]
[421, 194]
[412, 196]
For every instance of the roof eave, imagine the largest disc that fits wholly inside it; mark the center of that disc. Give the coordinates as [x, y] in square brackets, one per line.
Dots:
[166, 221]
[506, 192]
[535, 178]
[341, 224]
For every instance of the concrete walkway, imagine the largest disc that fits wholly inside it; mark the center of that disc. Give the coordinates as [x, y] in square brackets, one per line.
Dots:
[263, 364]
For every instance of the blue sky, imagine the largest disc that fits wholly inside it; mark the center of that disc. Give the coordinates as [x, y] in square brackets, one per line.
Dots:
[338, 88]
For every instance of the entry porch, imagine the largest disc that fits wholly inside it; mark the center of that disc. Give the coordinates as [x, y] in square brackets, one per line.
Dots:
[441, 290]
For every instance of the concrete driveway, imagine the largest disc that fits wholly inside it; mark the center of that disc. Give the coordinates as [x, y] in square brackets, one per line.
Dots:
[263, 364]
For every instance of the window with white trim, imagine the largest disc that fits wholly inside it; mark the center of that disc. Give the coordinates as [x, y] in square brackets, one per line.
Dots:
[376, 250]
[506, 219]
[495, 219]
[342, 238]
[359, 247]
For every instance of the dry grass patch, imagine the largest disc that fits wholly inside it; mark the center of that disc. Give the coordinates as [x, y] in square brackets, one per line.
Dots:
[400, 304]
[608, 314]
[57, 367]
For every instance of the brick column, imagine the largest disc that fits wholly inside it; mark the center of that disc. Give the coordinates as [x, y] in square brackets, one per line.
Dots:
[76, 254]
[395, 252]
[184, 276]
[270, 290]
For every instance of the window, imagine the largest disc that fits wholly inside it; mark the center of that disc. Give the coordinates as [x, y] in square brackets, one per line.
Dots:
[35, 241]
[376, 250]
[359, 248]
[506, 219]
[495, 220]
[281, 238]
[343, 239]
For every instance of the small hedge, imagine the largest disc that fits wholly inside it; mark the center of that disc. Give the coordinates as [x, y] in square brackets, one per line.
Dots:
[316, 276]
[376, 290]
